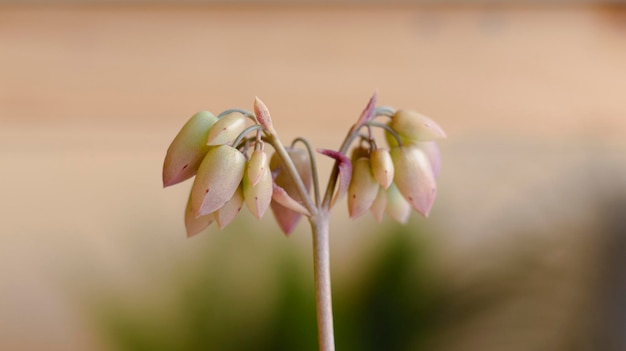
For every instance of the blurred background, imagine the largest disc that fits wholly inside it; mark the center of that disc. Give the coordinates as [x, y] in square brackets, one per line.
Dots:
[525, 248]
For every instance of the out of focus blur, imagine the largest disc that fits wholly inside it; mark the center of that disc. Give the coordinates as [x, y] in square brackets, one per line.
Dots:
[525, 248]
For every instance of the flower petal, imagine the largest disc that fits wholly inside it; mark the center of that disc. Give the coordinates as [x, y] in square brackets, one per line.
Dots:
[363, 188]
[227, 213]
[187, 149]
[414, 177]
[280, 196]
[382, 167]
[227, 129]
[368, 112]
[345, 171]
[195, 225]
[218, 177]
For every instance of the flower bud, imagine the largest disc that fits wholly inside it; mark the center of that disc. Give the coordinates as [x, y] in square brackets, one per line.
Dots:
[187, 149]
[262, 114]
[414, 177]
[258, 196]
[288, 219]
[257, 165]
[230, 210]
[195, 225]
[218, 177]
[431, 150]
[379, 204]
[363, 188]
[382, 167]
[358, 152]
[397, 207]
[226, 129]
[415, 127]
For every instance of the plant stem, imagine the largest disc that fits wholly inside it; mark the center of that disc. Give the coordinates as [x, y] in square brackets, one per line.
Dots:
[321, 267]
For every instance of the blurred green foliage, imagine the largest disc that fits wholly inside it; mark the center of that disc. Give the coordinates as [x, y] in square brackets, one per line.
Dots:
[389, 304]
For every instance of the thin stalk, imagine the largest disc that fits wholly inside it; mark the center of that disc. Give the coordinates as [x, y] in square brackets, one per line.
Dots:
[321, 267]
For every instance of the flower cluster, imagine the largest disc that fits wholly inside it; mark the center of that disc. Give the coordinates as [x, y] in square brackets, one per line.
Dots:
[393, 180]
[230, 169]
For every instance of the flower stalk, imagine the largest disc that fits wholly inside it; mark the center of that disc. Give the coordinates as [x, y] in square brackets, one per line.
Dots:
[230, 173]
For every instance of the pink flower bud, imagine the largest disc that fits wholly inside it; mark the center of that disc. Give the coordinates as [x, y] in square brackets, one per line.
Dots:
[363, 188]
[288, 219]
[258, 196]
[218, 177]
[397, 207]
[227, 213]
[432, 152]
[414, 177]
[415, 127]
[195, 225]
[257, 165]
[226, 129]
[382, 167]
[262, 114]
[187, 149]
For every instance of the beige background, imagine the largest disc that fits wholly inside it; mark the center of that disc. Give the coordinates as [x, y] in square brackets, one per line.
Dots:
[532, 99]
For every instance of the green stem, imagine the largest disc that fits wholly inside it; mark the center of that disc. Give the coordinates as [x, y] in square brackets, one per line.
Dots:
[316, 182]
[321, 268]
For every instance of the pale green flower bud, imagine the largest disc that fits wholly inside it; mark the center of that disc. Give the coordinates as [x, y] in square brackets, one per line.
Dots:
[397, 207]
[363, 188]
[193, 224]
[230, 210]
[414, 177]
[187, 149]
[257, 165]
[218, 177]
[413, 126]
[382, 167]
[227, 129]
[258, 196]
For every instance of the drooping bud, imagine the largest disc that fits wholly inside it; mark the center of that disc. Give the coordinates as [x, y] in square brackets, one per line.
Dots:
[432, 152]
[257, 165]
[187, 149]
[195, 225]
[227, 213]
[382, 167]
[363, 188]
[397, 207]
[288, 219]
[218, 177]
[262, 114]
[227, 129]
[379, 204]
[258, 196]
[414, 126]
[414, 177]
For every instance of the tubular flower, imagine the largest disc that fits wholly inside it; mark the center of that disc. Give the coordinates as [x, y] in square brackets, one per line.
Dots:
[412, 126]
[414, 177]
[287, 218]
[230, 210]
[257, 184]
[363, 188]
[382, 167]
[217, 179]
[187, 149]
